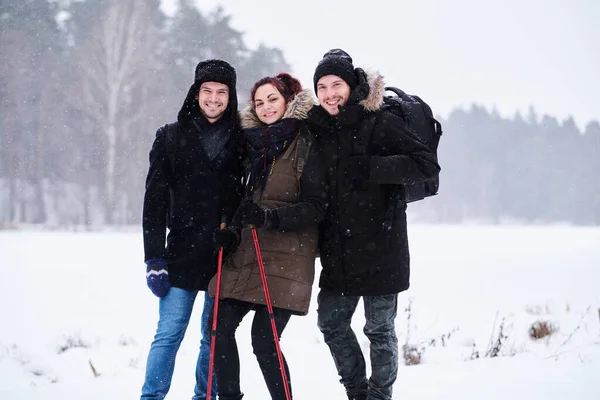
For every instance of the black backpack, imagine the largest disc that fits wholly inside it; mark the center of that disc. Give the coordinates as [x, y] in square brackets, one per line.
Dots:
[418, 116]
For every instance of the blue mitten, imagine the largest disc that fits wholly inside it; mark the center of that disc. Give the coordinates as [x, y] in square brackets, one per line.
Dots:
[157, 276]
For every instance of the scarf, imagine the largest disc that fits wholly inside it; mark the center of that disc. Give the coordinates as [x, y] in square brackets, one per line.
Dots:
[265, 144]
[213, 136]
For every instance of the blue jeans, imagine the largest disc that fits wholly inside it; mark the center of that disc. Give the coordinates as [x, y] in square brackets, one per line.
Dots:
[175, 310]
[334, 316]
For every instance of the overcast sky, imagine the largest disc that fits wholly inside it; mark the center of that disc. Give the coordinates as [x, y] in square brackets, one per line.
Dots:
[507, 54]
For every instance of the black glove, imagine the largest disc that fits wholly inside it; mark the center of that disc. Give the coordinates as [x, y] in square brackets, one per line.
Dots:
[228, 239]
[251, 214]
[361, 91]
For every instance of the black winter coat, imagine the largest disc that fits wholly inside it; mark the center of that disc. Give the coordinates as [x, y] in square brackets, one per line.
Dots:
[359, 257]
[198, 196]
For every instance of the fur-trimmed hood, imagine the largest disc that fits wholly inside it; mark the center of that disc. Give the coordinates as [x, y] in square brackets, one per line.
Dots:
[298, 108]
[374, 100]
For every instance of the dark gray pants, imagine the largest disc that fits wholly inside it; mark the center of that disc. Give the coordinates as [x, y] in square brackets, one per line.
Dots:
[334, 316]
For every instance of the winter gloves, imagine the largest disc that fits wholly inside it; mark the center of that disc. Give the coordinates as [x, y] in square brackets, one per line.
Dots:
[228, 239]
[157, 276]
[361, 91]
[250, 213]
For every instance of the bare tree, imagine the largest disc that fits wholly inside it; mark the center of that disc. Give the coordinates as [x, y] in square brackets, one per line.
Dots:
[114, 62]
[18, 93]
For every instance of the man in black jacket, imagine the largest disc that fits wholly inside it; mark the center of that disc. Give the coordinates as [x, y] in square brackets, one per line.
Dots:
[194, 184]
[363, 240]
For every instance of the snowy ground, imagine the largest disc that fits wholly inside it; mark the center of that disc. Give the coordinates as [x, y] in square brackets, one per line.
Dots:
[72, 300]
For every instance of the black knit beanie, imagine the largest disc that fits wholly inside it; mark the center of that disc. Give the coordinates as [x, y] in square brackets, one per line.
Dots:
[336, 62]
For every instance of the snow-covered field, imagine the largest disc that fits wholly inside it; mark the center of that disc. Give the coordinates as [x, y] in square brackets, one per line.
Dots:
[70, 301]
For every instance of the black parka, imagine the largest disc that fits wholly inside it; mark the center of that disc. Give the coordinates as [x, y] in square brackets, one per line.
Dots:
[198, 194]
[359, 257]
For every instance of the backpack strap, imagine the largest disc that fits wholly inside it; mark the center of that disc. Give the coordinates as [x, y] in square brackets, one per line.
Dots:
[363, 134]
[360, 147]
[171, 149]
[171, 143]
[302, 150]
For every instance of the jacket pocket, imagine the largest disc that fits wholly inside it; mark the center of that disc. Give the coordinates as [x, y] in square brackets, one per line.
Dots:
[364, 253]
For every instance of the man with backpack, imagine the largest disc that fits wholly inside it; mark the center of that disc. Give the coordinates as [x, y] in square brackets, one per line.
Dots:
[193, 185]
[363, 243]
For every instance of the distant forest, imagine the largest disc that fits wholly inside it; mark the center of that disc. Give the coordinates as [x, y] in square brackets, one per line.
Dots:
[85, 85]
[528, 169]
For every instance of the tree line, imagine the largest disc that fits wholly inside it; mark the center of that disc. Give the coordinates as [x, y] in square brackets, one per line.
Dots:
[533, 169]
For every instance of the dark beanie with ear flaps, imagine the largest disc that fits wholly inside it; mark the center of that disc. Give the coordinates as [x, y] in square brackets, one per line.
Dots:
[336, 62]
[213, 70]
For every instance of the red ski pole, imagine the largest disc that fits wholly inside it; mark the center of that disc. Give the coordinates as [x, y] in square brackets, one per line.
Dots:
[213, 332]
[263, 276]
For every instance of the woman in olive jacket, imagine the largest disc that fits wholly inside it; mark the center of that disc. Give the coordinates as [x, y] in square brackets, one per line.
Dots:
[285, 201]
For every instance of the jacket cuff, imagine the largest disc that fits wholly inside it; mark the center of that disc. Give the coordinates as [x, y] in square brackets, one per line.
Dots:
[271, 219]
[156, 262]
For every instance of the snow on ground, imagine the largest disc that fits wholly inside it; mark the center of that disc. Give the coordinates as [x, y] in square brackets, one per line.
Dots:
[77, 320]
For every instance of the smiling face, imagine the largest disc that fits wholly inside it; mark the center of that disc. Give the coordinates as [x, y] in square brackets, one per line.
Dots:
[269, 104]
[213, 99]
[332, 91]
